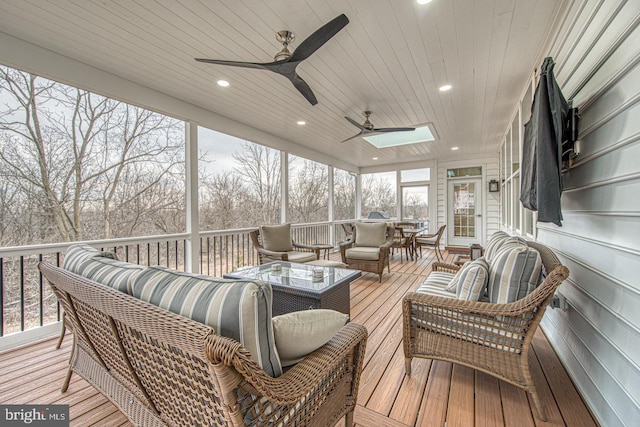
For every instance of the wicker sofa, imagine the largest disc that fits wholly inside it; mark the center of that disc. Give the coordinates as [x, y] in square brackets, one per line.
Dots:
[491, 337]
[164, 369]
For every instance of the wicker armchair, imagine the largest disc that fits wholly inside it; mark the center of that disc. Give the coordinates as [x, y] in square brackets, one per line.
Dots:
[280, 250]
[431, 241]
[493, 338]
[162, 369]
[370, 251]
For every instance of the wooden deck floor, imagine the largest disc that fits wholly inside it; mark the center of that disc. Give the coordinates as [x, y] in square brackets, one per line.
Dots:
[437, 393]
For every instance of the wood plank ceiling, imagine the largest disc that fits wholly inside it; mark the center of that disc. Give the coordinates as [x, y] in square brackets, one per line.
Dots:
[391, 58]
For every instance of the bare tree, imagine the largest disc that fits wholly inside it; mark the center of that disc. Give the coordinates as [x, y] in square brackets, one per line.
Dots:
[344, 195]
[377, 195]
[223, 201]
[260, 167]
[71, 151]
[308, 192]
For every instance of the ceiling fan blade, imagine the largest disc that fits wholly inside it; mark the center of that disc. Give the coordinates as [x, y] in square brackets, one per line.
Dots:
[393, 129]
[304, 89]
[354, 136]
[356, 124]
[318, 38]
[233, 63]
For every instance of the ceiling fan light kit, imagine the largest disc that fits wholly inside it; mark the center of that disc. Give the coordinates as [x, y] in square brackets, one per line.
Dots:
[286, 62]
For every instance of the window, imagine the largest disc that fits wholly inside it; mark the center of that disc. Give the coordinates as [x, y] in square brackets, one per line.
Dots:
[379, 194]
[344, 195]
[239, 182]
[308, 190]
[514, 216]
[107, 170]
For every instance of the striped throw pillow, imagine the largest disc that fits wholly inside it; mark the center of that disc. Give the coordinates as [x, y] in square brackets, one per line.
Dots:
[493, 243]
[240, 310]
[472, 281]
[110, 272]
[513, 274]
[79, 252]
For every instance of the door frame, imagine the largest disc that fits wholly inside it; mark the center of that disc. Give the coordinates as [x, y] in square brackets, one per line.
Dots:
[480, 212]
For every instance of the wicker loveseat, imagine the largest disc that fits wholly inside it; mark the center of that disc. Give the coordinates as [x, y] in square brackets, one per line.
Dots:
[491, 337]
[164, 369]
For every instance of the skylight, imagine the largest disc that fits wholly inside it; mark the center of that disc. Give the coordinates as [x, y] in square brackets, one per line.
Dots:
[393, 139]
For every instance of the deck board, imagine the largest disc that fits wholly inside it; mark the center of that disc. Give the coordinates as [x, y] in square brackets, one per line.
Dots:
[436, 393]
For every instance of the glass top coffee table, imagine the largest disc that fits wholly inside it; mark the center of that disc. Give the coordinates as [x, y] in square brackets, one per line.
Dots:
[296, 288]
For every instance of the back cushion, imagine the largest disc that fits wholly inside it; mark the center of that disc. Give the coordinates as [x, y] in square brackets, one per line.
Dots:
[494, 242]
[371, 234]
[79, 252]
[276, 238]
[513, 274]
[110, 272]
[235, 309]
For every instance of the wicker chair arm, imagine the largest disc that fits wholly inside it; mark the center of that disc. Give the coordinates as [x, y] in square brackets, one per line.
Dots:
[347, 243]
[294, 384]
[312, 248]
[448, 268]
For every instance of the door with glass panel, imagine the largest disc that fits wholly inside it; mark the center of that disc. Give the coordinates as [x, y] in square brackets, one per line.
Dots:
[464, 213]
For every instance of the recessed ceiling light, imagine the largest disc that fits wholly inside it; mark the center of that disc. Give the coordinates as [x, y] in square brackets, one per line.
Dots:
[375, 158]
[423, 1]
[223, 83]
[445, 88]
[301, 122]
[455, 148]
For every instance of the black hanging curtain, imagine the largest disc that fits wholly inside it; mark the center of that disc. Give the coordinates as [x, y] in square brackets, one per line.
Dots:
[541, 180]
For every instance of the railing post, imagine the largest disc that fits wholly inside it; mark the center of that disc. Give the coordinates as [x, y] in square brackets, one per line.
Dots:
[330, 206]
[193, 229]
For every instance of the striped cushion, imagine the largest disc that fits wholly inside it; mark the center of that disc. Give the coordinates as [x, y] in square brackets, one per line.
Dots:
[235, 309]
[494, 241]
[436, 283]
[452, 286]
[79, 252]
[513, 274]
[508, 244]
[110, 272]
[472, 282]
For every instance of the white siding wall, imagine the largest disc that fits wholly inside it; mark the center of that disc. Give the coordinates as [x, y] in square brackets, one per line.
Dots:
[491, 202]
[597, 57]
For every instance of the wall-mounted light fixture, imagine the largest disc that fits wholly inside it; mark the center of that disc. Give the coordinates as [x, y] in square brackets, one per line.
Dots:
[493, 186]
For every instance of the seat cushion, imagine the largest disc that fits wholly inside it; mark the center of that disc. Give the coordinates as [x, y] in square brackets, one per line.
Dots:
[513, 274]
[299, 333]
[79, 252]
[293, 256]
[436, 284]
[276, 238]
[363, 253]
[371, 234]
[236, 309]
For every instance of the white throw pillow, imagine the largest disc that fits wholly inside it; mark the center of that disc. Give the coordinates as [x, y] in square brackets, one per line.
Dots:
[302, 332]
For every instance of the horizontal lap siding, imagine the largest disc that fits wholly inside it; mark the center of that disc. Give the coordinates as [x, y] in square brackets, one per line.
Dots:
[598, 339]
